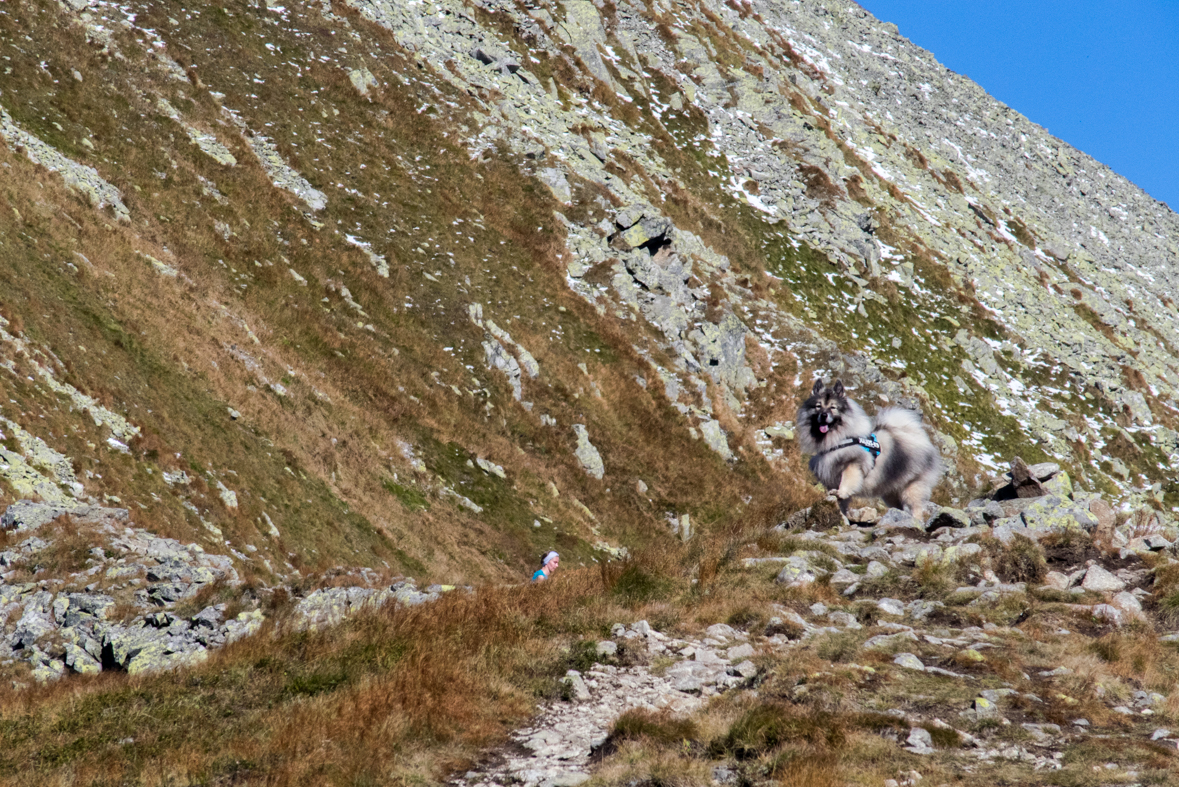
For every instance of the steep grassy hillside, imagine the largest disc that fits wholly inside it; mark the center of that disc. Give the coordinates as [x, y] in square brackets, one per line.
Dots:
[316, 358]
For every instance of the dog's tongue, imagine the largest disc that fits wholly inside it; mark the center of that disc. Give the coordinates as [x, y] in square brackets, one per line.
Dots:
[823, 428]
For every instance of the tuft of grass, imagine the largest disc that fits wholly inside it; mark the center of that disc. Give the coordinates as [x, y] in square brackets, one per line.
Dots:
[838, 647]
[768, 725]
[637, 584]
[943, 737]
[1167, 609]
[661, 728]
[1108, 648]
[1021, 561]
[935, 579]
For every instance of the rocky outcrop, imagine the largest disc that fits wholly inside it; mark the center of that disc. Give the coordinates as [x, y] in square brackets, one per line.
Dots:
[130, 609]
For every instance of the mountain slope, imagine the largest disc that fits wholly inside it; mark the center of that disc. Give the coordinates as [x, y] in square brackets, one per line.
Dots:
[332, 293]
[299, 214]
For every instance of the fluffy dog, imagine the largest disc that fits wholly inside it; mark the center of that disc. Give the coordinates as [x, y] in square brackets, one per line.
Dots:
[889, 456]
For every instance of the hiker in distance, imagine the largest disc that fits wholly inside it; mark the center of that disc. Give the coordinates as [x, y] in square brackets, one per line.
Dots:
[547, 566]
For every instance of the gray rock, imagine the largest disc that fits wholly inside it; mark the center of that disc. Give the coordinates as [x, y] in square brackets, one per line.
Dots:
[1098, 580]
[721, 631]
[896, 518]
[886, 641]
[909, 661]
[1107, 613]
[843, 577]
[715, 438]
[48, 670]
[740, 652]
[948, 517]
[1157, 543]
[844, 620]
[1127, 603]
[919, 741]
[1043, 470]
[628, 217]
[921, 609]
[587, 454]
[984, 708]
[80, 661]
[169, 592]
[246, 624]
[35, 622]
[746, 669]
[557, 183]
[1056, 581]
[606, 648]
[994, 695]
[797, 572]
[210, 617]
[576, 685]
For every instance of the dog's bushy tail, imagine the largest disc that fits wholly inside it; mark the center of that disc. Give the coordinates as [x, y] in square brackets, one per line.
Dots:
[898, 418]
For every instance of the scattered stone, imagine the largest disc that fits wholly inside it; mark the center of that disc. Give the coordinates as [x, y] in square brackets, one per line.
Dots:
[740, 652]
[919, 741]
[948, 517]
[1023, 482]
[1098, 580]
[887, 641]
[1056, 581]
[909, 661]
[587, 454]
[895, 518]
[1107, 613]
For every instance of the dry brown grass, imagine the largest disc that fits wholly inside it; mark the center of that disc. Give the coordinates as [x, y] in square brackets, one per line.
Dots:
[362, 699]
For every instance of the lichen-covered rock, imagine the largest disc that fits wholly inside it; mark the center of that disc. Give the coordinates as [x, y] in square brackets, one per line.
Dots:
[555, 180]
[798, 571]
[81, 661]
[244, 625]
[363, 80]
[587, 453]
[714, 436]
[329, 606]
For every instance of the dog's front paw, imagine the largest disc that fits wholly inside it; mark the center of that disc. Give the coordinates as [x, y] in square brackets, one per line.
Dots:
[843, 494]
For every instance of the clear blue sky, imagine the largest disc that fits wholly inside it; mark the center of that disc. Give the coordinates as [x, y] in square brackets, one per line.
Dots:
[1101, 75]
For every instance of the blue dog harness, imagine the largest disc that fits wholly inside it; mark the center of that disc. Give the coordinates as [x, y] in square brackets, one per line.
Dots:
[868, 443]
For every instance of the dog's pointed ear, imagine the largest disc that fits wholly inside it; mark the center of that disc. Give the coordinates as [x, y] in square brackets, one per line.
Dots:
[817, 387]
[838, 388]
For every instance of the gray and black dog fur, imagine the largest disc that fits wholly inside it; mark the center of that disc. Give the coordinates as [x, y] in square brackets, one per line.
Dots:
[904, 474]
